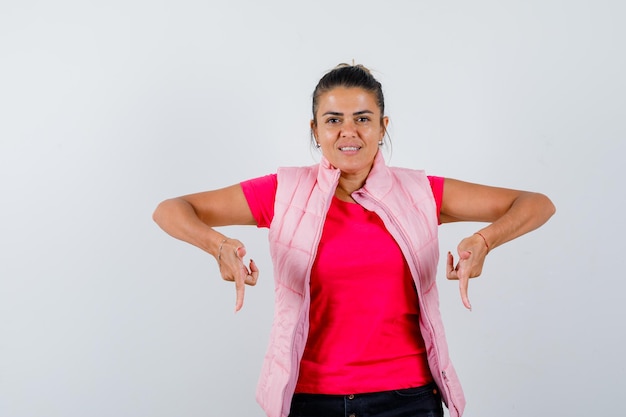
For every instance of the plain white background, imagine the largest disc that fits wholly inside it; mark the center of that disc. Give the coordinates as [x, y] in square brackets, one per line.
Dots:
[107, 108]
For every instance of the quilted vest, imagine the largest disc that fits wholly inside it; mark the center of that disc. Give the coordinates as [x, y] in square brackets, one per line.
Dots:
[403, 199]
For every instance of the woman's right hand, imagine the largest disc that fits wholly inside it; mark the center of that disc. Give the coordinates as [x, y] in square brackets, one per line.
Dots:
[232, 268]
[191, 218]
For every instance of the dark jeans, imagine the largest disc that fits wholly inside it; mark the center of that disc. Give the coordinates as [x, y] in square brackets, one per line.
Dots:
[411, 402]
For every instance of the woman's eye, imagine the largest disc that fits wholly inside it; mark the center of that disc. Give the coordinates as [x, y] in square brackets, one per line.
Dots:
[332, 120]
[363, 119]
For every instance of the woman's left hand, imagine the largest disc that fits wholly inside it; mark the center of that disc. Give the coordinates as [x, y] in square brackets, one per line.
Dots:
[472, 252]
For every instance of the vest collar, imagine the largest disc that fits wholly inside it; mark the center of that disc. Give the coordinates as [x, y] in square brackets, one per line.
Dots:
[378, 182]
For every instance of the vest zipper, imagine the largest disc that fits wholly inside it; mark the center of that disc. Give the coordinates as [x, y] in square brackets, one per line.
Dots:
[415, 259]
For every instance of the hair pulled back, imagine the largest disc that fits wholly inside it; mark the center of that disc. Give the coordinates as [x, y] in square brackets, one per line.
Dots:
[349, 76]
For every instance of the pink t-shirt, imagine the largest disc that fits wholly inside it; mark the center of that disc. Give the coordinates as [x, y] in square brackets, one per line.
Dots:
[364, 331]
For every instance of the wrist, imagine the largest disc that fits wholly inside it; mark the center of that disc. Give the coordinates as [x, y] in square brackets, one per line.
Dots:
[211, 242]
[484, 239]
[219, 251]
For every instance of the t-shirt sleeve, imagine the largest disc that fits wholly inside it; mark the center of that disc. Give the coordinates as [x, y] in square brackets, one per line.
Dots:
[260, 193]
[436, 184]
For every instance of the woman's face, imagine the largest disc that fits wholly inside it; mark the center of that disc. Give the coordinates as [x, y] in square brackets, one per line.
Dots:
[348, 129]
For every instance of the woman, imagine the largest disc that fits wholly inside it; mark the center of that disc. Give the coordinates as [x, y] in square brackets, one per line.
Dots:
[354, 246]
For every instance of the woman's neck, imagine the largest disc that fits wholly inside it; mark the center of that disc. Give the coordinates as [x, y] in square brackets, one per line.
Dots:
[347, 185]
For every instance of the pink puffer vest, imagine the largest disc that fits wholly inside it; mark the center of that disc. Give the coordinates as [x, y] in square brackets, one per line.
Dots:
[403, 199]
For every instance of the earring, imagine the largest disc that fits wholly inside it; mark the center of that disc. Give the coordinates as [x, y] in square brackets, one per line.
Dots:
[380, 143]
[317, 145]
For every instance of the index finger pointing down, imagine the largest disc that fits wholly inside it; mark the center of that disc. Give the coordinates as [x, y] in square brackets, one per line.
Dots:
[240, 288]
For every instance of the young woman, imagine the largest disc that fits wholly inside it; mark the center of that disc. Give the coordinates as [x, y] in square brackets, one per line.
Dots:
[355, 250]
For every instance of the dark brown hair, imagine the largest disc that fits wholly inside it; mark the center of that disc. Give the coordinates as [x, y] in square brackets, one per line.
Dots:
[348, 76]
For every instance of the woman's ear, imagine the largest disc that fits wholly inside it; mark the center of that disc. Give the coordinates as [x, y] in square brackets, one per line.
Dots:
[313, 129]
[385, 123]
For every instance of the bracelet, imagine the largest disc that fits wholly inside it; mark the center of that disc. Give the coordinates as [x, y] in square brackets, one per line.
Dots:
[219, 253]
[485, 240]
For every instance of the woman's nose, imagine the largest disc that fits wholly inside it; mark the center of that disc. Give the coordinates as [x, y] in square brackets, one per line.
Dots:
[348, 129]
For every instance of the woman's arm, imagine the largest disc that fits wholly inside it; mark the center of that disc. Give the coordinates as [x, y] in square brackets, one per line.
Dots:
[511, 213]
[191, 218]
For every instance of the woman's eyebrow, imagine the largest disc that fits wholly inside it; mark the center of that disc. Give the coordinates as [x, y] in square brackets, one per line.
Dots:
[336, 113]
